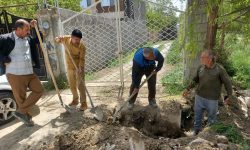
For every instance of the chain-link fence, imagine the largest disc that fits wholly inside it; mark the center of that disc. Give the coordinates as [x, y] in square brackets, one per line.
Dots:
[112, 34]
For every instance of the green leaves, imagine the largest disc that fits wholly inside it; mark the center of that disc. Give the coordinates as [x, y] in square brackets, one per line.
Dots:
[29, 11]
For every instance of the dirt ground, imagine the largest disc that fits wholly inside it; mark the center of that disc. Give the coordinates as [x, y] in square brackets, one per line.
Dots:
[57, 130]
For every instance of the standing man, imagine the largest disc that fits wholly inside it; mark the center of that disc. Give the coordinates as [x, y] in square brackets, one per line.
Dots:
[144, 64]
[77, 51]
[209, 79]
[19, 54]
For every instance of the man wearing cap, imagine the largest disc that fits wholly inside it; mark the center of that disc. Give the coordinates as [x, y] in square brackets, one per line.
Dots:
[144, 63]
[77, 51]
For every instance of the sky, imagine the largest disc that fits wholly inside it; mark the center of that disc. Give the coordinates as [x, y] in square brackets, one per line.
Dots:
[180, 4]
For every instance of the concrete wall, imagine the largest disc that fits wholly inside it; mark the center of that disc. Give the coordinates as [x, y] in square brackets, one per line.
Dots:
[49, 23]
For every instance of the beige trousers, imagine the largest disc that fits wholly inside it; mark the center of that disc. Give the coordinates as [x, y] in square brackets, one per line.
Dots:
[19, 85]
[75, 83]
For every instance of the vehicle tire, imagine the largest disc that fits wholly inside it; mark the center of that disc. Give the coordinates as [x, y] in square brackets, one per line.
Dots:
[7, 107]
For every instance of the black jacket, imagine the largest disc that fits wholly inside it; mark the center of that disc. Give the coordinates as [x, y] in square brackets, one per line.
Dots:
[7, 44]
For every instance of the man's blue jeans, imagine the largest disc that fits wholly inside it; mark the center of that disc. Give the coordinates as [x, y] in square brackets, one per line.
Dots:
[202, 104]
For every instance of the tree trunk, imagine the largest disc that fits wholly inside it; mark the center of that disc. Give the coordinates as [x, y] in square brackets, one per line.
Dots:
[222, 37]
[211, 27]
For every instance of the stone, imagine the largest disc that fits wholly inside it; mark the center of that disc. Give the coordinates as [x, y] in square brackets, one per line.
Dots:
[200, 143]
[222, 146]
[221, 139]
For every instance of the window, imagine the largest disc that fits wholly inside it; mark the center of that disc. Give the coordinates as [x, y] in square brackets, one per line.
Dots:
[107, 3]
[85, 3]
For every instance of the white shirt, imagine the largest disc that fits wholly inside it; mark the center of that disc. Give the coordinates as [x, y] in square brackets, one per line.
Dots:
[21, 63]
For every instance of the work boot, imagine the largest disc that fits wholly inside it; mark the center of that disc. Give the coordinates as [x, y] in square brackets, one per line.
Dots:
[29, 116]
[152, 103]
[130, 105]
[83, 106]
[196, 132]
[74, 102]
[24, 118]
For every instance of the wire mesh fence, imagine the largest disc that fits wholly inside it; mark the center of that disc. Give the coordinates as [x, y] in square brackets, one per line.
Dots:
[112, 35]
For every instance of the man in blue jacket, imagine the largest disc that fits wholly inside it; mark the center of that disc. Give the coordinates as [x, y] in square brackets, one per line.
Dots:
[144, 63]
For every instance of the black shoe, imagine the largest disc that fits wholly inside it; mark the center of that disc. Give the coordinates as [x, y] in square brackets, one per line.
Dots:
[196, 132]
[24, 118]
[130, 106]
[29, 117]
[152, 103]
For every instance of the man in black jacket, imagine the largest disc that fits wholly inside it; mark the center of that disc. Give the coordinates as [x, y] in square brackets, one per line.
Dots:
[18, 56]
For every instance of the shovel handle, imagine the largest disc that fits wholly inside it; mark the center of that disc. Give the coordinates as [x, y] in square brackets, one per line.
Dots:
[47, 64]
[152, 73]
[133, 94]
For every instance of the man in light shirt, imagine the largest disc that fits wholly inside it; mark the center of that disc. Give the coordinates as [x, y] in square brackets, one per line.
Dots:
[20, 51]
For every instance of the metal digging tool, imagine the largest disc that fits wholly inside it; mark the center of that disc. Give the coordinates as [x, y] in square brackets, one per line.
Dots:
[46, 59]
[98, 114]
[119, 109]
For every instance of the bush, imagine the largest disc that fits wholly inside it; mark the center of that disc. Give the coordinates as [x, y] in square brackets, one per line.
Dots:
[241, 62]
[61, 81]
[236, 60]
[174, 55]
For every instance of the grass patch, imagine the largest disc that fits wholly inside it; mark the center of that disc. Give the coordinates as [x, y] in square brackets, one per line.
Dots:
[173, 81]
[236, 60]
[61, 81]
[231, 133]
[241, 63]
[174, 55]
[89, 76]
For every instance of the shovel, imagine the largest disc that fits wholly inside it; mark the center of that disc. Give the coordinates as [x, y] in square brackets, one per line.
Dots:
[98, 114]
[132, 95]
[48, 66]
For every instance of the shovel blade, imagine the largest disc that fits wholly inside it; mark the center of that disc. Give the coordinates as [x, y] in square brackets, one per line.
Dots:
[98, 114]
[68, 109]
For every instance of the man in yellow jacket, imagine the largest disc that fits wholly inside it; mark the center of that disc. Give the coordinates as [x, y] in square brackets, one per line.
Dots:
[72, 44]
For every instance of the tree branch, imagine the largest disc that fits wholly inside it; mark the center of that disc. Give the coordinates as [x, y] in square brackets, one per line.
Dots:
[234, 19]
[236, 11]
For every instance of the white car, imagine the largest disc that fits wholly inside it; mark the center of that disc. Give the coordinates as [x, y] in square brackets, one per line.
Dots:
[7, 101]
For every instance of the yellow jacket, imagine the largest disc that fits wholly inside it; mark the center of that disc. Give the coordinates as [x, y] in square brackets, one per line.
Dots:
[77, 52]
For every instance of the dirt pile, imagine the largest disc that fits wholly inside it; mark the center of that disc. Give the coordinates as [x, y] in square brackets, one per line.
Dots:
[150, 121]
[144, 128]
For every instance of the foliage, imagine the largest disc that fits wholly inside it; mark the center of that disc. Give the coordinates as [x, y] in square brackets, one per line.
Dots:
[240, 58]
[175, 54]
[61, 81]
[159, 17]
[29, 11]
[173, 80]
[231, 133]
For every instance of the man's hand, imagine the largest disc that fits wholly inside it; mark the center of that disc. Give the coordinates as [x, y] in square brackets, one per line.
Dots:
[58, 39]
[185, 93]
[227, 101]
[33, 23]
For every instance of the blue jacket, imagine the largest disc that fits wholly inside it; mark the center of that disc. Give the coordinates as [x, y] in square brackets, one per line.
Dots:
[142, 65]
